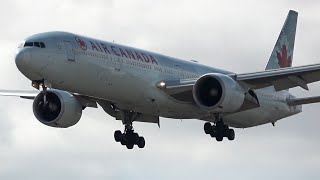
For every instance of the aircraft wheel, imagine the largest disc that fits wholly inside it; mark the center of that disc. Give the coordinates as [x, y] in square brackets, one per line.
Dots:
[118, 136]
[231, 134]
[135, 138]
[141, 143]
[129, 145]
[207, 127]
[213, 132]
[124, 141]
[219, 138]
[225, 131]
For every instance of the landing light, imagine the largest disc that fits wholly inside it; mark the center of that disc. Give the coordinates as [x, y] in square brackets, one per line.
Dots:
[35, 85]
[162, 85]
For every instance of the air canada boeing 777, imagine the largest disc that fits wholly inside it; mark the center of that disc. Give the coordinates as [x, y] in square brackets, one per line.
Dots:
[73, 72]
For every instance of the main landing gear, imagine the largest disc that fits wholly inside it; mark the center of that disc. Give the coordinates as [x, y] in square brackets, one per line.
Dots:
[219, 130]
[129, 138]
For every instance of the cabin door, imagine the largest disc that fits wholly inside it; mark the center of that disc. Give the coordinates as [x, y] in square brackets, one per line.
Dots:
[70, 51]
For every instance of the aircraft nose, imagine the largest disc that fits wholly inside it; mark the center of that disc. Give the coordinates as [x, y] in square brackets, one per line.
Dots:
[22, 58]
[26, 65]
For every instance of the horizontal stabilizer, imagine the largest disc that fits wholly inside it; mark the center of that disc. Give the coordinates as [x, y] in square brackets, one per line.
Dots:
[301, 101]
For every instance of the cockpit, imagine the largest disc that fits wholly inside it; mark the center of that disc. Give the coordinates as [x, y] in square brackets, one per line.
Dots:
[32, 44]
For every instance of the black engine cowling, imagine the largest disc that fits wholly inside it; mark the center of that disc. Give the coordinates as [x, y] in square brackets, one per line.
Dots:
[57, 108]
[218, 93]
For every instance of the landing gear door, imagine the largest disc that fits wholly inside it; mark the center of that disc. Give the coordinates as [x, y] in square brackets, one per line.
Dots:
[70, 51]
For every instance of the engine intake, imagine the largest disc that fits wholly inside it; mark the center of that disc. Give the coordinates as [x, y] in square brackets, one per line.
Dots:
[57, 108]
[218, 93]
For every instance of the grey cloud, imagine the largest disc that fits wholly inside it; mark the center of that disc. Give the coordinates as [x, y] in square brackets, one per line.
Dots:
[234, 35]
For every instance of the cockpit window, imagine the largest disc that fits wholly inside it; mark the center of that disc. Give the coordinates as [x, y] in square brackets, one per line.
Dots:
[42, 45]
[34, 44]
[28, 44]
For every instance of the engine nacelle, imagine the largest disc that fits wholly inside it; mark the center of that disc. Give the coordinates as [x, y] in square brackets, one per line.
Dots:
[218, 93]
[57, 108]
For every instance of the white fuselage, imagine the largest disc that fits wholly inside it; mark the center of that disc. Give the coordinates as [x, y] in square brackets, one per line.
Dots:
[127, 77]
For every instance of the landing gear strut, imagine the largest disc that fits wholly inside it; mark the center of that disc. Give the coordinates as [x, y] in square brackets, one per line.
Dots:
[219, 130]
[38, 84]
[129, 138]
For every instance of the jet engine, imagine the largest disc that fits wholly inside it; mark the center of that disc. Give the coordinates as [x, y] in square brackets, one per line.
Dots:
[57, 108]
[218, 93]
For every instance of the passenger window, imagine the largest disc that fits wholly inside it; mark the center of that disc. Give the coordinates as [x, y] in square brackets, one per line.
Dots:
[42, 45]
[28, 44]
[37, 44]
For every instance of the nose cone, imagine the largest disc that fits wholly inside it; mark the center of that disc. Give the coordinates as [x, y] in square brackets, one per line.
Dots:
[22, 59]
[23, 62]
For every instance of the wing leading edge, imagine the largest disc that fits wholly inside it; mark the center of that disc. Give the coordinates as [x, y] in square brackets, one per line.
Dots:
[280, 79]
[283, 78]
[85, 101]
[22, 94]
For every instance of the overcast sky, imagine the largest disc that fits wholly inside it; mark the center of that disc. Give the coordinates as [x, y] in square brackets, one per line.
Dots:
[234, 35]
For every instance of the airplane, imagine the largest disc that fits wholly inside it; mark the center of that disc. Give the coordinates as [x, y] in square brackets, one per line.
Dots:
[72, 72]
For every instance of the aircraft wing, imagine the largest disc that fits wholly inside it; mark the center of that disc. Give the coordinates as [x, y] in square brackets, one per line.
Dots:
[280, 79]
[305, 100]
[84, 100]
[22, 94]
[283, 78]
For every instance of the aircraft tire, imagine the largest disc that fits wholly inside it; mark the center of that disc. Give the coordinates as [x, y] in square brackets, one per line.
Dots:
[225, 130]
[130, 145]
[231, 134]
[207, 127]
[135, 138]
[141, 143]
[124, 141]
[118, 136]
[213, 133]
[219, 138]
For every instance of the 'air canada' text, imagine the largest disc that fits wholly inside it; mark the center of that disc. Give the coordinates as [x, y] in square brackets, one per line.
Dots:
[118, 51]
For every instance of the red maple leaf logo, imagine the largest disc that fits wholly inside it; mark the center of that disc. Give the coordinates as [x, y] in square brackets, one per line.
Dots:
[283, 59]
[81, 43]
